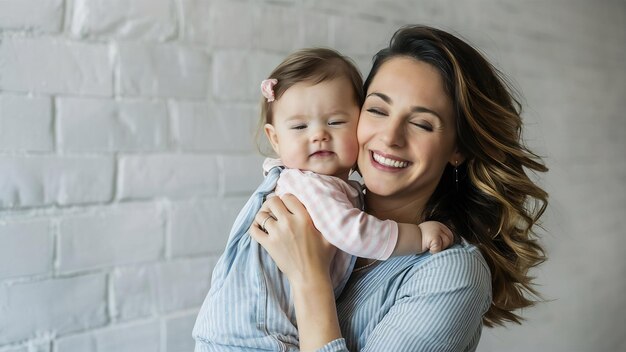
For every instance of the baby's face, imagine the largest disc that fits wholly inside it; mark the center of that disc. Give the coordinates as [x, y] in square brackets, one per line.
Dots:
[314, 127]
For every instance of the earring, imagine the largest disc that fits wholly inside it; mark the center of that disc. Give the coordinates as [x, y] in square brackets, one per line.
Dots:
[456, 174]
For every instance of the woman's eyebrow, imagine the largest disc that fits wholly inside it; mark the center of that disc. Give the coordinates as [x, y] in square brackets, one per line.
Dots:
[421, 109]
[417, 109]
[382, 96]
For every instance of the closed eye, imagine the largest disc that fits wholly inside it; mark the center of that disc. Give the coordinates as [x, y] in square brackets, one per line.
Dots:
[298, 127]
[376, 112]
[424, 126]
[336, 123]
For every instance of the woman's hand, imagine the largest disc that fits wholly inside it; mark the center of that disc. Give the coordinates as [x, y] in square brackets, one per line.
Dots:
[297, 247]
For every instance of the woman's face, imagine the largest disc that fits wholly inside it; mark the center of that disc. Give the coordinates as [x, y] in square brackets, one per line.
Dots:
[406, 131]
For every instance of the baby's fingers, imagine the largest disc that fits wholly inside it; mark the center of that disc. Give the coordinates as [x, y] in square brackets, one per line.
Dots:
[436, 245]
[447, 236]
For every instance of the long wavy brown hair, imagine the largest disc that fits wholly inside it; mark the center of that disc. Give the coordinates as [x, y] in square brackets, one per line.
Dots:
[495, 204]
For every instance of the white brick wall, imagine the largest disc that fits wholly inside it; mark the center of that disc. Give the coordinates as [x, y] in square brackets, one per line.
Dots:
[37, 15]
[177, 331]
[171, 175]
[123, 19]
[31, 346]
[40, 180]
[193, 121]
[58, 306]
[236, 74]
[104, 125]
[195, 21]
[241, 174]
[134, 337]
[32, 240]
[163, 70]
[121, 235]
[26, 124]
[198, 226]
[126, 151]
[55, 66]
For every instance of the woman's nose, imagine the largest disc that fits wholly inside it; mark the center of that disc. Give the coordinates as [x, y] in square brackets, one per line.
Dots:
[393, 135]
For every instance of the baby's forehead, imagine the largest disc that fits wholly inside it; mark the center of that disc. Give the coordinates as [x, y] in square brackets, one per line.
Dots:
[320, 115]
[331, 91]
[339, 81]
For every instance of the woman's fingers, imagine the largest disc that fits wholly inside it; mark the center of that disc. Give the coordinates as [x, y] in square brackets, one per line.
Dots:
[292, 204]
[262, 219]
[276, 207]
[258, 235]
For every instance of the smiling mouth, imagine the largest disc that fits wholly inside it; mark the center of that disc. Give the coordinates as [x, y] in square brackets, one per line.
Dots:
[322, 153]
[397, 164]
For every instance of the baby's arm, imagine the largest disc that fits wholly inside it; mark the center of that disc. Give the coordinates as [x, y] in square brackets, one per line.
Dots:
[430, 236]
[352, 230]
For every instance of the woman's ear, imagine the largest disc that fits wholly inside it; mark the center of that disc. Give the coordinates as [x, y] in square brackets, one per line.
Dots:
[457, 158]
[270, 132]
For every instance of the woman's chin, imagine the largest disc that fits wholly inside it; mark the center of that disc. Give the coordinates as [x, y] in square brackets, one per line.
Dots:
[380, 189]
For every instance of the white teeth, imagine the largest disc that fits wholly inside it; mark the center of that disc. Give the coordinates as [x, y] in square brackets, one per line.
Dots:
[390, 162]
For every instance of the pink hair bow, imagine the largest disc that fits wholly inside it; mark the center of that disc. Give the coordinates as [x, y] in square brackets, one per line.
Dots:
[267, 88]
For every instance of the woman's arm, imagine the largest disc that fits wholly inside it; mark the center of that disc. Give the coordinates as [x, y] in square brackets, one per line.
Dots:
[303, 255]
[316, 313]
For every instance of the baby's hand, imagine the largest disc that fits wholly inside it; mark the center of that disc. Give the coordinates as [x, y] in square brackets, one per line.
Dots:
[435, 236]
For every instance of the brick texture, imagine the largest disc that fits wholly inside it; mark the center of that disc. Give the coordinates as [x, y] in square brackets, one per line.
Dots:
[26, 124]
[32, 239]
[99, 125]
[122, 19]
[60, 306]
[46, 180]
[31, 15]
[121, 235]
[54, 66]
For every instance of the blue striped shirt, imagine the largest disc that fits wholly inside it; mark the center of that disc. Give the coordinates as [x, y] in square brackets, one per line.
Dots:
[416, 303]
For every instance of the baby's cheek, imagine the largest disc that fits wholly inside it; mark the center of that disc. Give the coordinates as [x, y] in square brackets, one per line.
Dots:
[352, 149]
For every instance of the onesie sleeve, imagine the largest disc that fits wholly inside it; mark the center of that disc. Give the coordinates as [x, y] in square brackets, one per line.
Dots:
[340, 222]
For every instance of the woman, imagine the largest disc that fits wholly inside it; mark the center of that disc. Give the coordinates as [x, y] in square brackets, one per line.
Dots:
[439, 137]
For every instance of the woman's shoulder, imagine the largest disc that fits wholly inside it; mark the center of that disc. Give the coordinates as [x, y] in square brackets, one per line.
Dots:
[456, 279]
[461, 265]
[461, 253]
